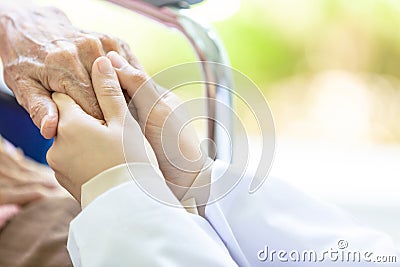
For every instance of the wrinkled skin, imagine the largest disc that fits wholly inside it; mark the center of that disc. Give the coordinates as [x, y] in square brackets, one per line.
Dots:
[23, 180]
[77, 158]
[42, 52]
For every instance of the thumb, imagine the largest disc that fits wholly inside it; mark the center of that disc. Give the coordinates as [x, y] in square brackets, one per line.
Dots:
[137, 83]
[39, 105]
[108, 91]
[67, 108]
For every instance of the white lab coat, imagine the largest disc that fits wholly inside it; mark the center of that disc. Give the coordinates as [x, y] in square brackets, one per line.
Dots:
[126, 227]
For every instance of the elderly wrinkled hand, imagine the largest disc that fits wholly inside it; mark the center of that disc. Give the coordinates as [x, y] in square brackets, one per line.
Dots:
[42, 52]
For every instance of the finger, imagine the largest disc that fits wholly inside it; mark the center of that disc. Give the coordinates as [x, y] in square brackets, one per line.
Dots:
[132, 80]
[68, 109]
[89, 49]
[108, 91]
[42, 109]
[111, 43]
[85, 98]
[21, 195]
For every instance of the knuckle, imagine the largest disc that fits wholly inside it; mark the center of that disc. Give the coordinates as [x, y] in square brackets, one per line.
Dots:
[110, 42]
[91, 43]
[74, 84]
[65, 72]
[63, 55]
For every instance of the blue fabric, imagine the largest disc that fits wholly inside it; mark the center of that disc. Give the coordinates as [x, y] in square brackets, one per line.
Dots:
[17, 127]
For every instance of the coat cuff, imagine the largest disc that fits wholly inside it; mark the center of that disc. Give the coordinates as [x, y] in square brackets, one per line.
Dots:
[113, 177]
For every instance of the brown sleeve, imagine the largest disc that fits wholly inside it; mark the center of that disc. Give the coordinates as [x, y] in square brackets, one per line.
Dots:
[37, 236]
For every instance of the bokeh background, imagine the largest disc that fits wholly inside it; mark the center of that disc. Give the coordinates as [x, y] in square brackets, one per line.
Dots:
[330, 72]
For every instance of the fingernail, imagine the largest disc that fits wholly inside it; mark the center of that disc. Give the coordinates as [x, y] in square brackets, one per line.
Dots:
[104, 65]
[116, 60]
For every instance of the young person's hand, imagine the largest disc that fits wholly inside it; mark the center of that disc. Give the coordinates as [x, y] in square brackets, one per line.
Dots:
[85, 146]
[175, 143]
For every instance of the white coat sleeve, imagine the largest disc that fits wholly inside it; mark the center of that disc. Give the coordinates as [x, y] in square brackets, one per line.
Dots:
[124, 226]
[256, 227]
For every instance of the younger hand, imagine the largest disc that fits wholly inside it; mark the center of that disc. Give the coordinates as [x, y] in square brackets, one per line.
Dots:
[165, 126]
[85, 146]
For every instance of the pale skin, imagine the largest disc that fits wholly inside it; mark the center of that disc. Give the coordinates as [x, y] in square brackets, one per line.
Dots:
[85, 146]
[76, 158]
[181, 161]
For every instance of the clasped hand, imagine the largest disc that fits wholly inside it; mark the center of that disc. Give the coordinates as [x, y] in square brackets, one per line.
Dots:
[85, 146]
[42, 52]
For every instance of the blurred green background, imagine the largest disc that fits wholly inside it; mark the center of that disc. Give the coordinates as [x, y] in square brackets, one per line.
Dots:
[268, 40]
[329, 68]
